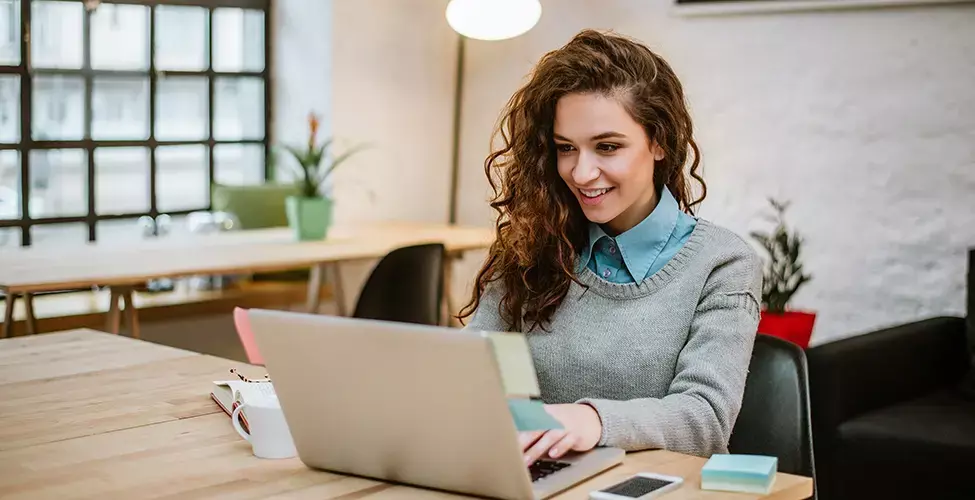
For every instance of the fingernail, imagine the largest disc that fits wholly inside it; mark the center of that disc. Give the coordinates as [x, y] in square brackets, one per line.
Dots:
[553, 453]
[528, 460]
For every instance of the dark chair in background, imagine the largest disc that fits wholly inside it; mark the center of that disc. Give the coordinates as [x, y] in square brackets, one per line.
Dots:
[774, 418]
[406, 286]
[890, 416]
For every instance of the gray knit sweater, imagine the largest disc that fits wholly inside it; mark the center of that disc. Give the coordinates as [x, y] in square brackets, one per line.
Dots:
[662, 361]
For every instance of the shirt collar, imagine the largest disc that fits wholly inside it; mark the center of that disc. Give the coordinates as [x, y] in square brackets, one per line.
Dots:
[595, 233]
[641, 245]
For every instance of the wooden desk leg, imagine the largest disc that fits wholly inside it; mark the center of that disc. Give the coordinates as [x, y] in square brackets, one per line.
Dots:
[131, 313]
[337, 289]
[315, 288]
[8, 315]
[30, 320]
[114, 318]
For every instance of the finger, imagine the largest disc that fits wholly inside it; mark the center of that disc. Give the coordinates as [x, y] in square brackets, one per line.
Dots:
[541, 447]
[562, 446]
[526, 439]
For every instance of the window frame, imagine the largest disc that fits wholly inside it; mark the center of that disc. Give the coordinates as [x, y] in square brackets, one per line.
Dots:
[27, 143]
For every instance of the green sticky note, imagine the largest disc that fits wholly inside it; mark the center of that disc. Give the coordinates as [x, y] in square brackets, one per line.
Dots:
[530, 415]
[515, 363]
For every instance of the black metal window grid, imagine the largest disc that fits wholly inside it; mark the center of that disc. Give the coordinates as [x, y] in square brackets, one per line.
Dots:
[33, 144]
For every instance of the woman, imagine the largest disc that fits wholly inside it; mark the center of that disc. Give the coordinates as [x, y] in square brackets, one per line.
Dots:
[640, 317]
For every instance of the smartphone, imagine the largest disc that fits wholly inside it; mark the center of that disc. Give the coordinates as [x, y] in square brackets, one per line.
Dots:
[643, 486]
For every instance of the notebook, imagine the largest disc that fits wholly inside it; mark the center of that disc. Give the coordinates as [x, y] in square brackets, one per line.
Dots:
[739, 473]
[230, 394]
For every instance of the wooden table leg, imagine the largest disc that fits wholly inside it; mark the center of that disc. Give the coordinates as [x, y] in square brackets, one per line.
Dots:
[114, 318]
[30, 320]
[8, 315]
[337, 289]
[315, 288]
[131, 313]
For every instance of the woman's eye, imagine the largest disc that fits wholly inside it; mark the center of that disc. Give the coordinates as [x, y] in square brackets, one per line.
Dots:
[608, 148]
[564, 148]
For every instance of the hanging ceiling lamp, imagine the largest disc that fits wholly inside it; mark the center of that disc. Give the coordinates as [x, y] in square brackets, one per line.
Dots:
[493, 19]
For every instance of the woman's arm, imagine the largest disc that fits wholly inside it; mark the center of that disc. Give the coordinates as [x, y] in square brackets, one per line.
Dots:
[699, 411]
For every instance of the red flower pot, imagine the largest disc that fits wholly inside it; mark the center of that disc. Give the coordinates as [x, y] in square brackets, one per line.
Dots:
[794, 326]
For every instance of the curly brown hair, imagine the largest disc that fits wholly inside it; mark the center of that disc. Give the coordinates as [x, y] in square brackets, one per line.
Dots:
[540, 228]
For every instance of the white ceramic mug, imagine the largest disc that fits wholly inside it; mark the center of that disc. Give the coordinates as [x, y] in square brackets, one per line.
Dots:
[269, 434]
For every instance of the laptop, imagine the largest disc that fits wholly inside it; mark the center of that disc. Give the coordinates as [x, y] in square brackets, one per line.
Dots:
[406, 403]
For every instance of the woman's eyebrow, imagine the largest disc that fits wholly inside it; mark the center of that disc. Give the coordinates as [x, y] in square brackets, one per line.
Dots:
[608, 135]
[597, 137]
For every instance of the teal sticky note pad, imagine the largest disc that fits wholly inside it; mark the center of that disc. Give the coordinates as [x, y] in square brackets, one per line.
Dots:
[530, 415]
[740, 473]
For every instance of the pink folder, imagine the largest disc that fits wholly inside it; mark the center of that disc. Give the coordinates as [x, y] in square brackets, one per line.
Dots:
[243, 325]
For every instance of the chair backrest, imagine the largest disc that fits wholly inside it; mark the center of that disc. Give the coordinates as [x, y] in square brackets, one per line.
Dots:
[255, 207]
[774, 418]
[971, 305]
[406, 286]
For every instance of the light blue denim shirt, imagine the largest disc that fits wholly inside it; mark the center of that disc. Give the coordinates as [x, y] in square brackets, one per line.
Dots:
[642, 250]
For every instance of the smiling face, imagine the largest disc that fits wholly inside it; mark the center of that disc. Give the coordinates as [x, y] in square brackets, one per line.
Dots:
[606, 160]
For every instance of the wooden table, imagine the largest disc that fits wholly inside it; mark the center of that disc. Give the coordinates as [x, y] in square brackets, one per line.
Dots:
[86, 414]
[25, 272]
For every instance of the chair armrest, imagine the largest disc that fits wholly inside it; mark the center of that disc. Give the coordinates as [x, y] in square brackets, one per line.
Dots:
[863, 373]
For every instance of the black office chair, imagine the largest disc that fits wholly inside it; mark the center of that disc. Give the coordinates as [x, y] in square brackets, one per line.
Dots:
[406, 286]
[774, 418]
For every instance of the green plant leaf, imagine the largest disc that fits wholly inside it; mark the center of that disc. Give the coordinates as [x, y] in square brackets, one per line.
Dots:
[295, 167]
[783, 274]
[315, 157]
[339, 160]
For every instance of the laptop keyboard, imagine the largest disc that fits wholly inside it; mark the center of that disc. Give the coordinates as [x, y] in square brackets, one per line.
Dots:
[543, 468]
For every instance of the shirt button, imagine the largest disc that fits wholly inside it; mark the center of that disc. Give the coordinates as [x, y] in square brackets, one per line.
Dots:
[606, 273]
[612, 249]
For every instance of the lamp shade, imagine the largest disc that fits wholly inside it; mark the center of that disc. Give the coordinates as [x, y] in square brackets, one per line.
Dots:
[493, 19]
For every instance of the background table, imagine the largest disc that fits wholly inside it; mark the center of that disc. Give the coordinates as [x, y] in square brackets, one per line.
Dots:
[25, 271]
[87, 414]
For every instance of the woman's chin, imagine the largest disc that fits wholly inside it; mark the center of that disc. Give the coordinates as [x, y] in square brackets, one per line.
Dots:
[598, 215]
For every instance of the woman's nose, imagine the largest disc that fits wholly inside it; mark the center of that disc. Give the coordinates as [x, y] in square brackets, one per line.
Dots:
[586, 170]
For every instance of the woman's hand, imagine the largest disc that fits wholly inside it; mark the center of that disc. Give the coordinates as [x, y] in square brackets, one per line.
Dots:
[581, 432]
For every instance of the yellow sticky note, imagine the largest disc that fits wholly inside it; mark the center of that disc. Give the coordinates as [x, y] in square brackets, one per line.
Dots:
[515, 363]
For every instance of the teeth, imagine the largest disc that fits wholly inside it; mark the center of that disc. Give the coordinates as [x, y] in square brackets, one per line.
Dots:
[592, 193]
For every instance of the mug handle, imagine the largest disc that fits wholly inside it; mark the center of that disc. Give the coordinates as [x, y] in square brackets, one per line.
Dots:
[234, 417]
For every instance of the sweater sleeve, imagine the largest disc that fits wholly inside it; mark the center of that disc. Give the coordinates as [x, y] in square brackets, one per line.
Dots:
[701, 406]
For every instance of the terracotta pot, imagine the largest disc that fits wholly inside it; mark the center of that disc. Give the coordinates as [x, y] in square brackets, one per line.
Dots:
[794, 326]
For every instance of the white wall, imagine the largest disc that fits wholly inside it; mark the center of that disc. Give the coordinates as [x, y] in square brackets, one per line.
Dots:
[393, 81]
[864, 119]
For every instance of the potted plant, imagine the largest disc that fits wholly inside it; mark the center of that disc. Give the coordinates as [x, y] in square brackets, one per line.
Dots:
[783, 277]
[310, 212]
